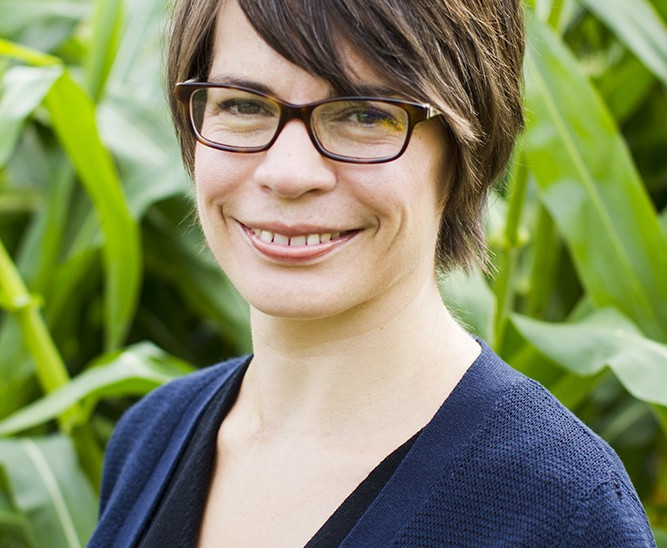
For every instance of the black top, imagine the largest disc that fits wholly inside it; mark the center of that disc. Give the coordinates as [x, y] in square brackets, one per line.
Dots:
[177, 518]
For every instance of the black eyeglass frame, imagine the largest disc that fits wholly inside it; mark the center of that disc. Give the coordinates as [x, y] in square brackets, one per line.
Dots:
[417, 112]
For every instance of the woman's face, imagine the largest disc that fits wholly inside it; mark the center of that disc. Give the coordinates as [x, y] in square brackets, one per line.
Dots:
[303, 236]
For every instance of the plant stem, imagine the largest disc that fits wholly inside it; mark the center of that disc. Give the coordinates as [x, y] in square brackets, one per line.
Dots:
[504, 285]
[546, 257]
[51, 370]
[50, 367]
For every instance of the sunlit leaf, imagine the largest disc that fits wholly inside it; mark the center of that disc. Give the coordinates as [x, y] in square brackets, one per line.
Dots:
[49, 488]
[604, 339]
[591, 188]
[134, 372]
[25, 54]
[637, 24]
[73, 118]
[23, 89]
[18, 15]
[107, 24]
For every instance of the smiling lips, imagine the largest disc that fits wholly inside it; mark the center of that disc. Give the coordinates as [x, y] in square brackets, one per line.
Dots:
[298, 247]
[295, 241]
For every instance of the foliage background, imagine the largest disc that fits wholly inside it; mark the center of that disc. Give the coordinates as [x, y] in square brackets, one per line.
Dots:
[107, 291]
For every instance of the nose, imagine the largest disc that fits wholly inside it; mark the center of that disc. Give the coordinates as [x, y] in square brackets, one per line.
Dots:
[293, 166]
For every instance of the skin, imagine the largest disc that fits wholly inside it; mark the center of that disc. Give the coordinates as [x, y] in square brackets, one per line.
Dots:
[353, 349]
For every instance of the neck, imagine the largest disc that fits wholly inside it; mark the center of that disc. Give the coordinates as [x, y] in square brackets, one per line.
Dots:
[335, 374]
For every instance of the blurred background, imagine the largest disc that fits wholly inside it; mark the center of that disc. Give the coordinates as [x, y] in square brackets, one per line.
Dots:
[107, 289]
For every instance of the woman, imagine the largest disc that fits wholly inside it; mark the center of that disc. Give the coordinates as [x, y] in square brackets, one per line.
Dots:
[341, 153]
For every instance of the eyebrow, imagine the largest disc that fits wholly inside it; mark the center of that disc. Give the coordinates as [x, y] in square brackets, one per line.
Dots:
[235, 81]
[367, 90]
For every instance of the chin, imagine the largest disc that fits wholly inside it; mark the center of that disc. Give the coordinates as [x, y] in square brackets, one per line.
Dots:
[295, 309]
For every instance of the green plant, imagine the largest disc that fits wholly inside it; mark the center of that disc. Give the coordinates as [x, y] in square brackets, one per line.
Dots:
[108, 291]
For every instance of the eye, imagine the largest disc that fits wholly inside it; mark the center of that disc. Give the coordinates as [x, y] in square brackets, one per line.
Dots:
[368, 116]
[363, 117]
[244, 107]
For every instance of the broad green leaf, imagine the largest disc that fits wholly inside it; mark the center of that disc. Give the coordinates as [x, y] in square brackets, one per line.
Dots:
[141, 137]
[107, 24]
[625, 88]
[25, 54]
[133, 372]
[73, 118]
[18, 15]
[639, 26]
[23, 89]
[49, 488]
[14, 525]
[591, 188]
[140, 47]
[604, 339]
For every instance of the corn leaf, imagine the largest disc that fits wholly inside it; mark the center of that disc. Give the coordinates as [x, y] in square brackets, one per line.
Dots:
[591, 188]
[73, 118]
[24, 89]
[133, 372]
[639, 26]
[49, 488]
[606, 338]
[107, 25]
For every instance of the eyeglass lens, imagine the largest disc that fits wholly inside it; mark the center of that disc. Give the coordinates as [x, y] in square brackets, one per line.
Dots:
[363, 129]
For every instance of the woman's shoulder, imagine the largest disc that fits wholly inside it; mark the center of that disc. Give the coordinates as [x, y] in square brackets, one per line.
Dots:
[166, 416]
[532, 470]
[521, 417]
[528, 435]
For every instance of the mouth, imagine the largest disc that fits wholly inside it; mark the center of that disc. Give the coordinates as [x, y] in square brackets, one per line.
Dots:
[296, 245]
[300, 240]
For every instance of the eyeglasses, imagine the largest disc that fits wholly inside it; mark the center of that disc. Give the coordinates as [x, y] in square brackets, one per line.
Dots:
[363, 130]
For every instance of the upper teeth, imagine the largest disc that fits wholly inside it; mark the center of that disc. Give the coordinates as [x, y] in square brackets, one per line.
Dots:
[304, 239]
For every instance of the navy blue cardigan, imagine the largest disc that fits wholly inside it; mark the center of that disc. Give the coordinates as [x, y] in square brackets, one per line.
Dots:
[502, 463]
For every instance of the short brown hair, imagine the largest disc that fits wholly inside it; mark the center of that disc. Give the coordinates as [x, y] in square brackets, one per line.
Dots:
[462, 56]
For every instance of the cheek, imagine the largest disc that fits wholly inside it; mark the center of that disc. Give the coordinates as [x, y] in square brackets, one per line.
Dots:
[217, 176]
[208, 172]
[213, 187]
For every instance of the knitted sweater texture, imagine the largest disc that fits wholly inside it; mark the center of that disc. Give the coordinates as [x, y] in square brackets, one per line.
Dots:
[502, 463]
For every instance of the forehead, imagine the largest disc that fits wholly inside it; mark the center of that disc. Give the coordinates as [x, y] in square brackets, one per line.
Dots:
[240, 53]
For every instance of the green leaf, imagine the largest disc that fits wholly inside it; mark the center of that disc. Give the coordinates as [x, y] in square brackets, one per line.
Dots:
[107, 24]
[23, 90]
[14, 525]
[15, 531]
[591, 188]
[49, 488]
[138, 52]
[25, 54]
[19, 15]
[132, 372]
[639, 26]
[176, 253]
[73, 118]
[606, 338]
[471, 301]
